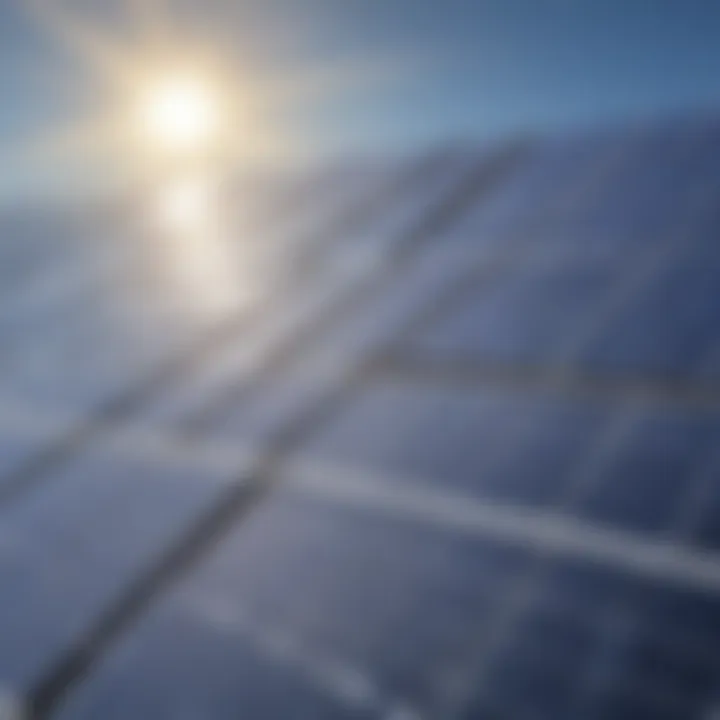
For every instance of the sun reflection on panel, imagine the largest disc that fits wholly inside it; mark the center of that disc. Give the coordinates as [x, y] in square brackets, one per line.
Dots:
[186, 206]
[200, 266]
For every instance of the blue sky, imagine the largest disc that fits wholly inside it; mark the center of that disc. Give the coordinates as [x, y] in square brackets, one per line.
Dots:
[436, 69]
[490, 67]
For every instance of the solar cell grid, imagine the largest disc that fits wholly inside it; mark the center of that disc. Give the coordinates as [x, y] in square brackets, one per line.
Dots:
[595, 645]
[496, 503]
[288, 307]
[646, 484]
[365, 331]
[68, 548]
[362, 593]
[306, 310]
[494, 445]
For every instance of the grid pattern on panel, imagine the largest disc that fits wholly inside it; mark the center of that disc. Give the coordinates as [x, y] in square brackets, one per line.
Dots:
[460, 461]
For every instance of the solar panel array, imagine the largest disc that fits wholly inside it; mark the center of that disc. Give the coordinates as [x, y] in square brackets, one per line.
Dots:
[457, 457]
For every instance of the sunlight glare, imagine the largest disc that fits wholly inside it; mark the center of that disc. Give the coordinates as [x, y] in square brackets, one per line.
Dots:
[197, 252]
[180, 114]
[186, 206]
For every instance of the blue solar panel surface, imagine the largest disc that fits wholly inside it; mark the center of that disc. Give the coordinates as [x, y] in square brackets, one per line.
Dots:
[452, 451]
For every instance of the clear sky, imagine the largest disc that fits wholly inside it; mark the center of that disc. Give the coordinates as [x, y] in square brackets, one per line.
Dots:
[409, 72]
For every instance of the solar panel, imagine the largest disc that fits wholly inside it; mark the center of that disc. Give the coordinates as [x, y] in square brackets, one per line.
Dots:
[456, 458]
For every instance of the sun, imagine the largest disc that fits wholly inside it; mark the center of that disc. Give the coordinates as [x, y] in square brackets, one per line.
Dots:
[180, 113]
[168, 96]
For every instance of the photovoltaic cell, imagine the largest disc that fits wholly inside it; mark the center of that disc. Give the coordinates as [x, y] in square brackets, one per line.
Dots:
[492, 445]
[238, 677]
[647, 482]
[364, 594]
[592, 644]
[523, 317]
[668, 329]
[69, 547]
